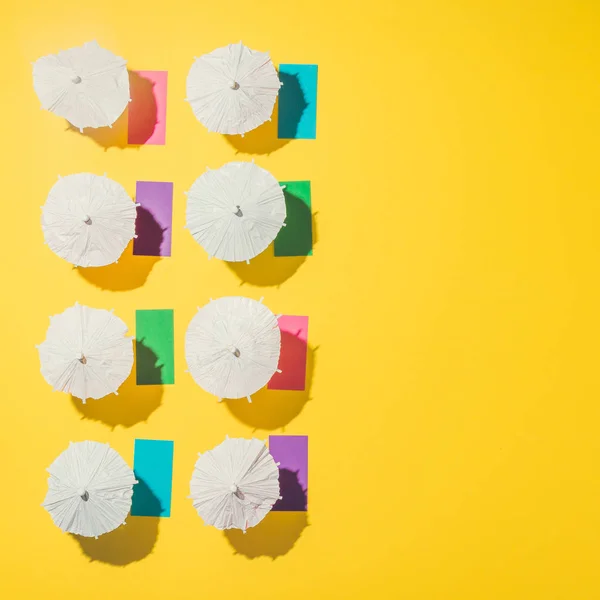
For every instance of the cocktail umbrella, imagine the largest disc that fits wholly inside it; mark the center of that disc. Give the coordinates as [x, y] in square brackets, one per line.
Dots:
[86, 352]
[233, 89]
[88, 220]
[89, 489]
[236, 211]
[235, 484]
[86, 85]
[232, 347]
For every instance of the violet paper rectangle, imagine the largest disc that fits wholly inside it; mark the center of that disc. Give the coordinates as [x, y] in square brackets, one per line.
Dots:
[154, 222]
[291, 452]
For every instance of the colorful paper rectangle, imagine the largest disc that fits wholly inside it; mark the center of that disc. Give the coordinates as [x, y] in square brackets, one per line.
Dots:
[154, 222]
[297, 102]
[291, 452]
[147, 119]
[294, 350]
[296, 238]
[153, 468]
[155, 357]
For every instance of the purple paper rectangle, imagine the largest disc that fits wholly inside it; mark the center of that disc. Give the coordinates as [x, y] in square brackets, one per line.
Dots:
[154, 221]
[291, 452]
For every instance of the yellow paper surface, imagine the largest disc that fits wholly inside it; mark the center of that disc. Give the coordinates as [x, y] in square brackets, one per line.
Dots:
[453, 300]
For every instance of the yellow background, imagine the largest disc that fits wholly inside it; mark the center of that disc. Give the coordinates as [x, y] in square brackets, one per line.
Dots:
[453, 297]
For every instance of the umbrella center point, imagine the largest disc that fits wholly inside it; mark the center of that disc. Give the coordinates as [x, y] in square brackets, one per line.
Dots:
[235, 351]
[82, 492]
[87, 220]
[82, 360]
[237, 211]
[76, 79]
[234, 85]
[233, 488]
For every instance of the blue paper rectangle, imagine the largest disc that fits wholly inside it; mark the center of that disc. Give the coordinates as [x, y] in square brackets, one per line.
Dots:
[153, 468]
[297, 118]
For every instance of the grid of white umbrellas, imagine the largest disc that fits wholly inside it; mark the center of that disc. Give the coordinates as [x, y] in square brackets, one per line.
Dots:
[232, 345]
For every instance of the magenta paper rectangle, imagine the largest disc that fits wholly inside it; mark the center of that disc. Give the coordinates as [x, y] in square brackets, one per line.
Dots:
[292, 360]
[147, 120]
[291, 452]
[154, 221]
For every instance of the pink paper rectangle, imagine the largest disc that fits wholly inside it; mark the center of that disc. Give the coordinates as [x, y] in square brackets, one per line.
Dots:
[147, 120]
[292, 360]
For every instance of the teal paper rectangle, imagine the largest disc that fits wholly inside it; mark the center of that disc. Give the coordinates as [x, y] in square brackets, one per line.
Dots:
[297, 118]
[153, 468]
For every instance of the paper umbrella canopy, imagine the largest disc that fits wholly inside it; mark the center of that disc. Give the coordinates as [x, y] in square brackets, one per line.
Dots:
[86, 352]
[88, 219]
[87, 85]
[89, 489]
[232, 347]
[233, 89]
[236, 211]
[235, 484]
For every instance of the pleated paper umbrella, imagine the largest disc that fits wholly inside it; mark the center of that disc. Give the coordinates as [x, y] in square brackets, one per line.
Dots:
[233, 89]
[87, 85]
[88, 219]
[232, 347]
[86, 352]
[89, 489]
[236, 211]
[235, 484]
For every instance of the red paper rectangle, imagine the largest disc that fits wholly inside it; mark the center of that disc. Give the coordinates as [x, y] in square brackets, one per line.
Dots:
[292, 360]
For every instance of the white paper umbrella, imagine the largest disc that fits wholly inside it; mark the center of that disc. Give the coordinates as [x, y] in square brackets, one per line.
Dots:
[235, 484]
[236, 211]
[86, 353]
[88, 220]
[232, 347]
[87, 85]
[89, 489]
[233, 89]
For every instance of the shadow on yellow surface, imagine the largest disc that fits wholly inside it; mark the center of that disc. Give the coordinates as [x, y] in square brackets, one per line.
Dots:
[274, 536]
[262, 140]
[268, 270]
[134, 404]
[143, 116]
[274, 409]
[129, 273]
[130, 542]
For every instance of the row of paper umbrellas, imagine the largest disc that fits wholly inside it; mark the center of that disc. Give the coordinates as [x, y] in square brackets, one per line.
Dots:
[232, 348]
[231, 90]
[90, 488]
[234, 213]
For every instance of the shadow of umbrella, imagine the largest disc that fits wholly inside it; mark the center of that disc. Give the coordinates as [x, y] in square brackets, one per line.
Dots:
[269, 270]
[274, 409]
[135, 403]
[140, 116]
[293, 495]
[274, 536]
[131, 271]
[128, 543]
[265, 138]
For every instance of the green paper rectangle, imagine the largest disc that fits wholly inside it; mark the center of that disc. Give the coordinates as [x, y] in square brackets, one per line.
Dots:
[154, 346]
[296, 238]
